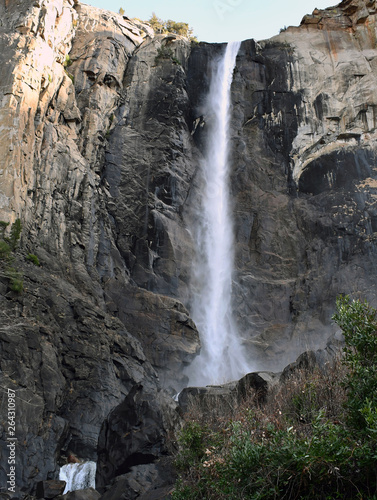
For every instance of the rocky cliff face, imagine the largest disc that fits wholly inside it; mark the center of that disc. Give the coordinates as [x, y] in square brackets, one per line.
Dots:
[102, 132]
[304, 175]
[65, 347]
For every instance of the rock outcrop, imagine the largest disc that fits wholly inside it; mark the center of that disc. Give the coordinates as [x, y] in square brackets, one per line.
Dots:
[102, 133]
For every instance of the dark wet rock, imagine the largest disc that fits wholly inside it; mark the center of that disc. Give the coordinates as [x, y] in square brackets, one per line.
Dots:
[87, 494]
[71, 381]
[307, 362]
[144, 481]
[50, 489]
[135, 433]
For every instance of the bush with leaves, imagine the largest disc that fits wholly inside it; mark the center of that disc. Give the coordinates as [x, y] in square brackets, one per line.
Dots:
[165, 27]
[4, 250]
[33, 258]
[8, 244]
[15, 278]
[166, 52]
[358, 320]
[15, 234]
[3, 226]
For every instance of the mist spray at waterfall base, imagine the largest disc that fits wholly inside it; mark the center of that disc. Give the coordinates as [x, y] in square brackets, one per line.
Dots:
[222, 356]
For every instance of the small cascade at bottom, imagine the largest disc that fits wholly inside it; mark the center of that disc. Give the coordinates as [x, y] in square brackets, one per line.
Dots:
[78, 476]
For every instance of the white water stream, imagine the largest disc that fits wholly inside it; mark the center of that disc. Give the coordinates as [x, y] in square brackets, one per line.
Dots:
[222, 356]
[78, 476]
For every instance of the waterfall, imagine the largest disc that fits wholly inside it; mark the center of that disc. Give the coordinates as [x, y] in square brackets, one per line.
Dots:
[78, 476]
[222, 356]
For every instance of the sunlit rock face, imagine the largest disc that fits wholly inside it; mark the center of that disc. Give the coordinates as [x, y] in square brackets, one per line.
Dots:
[102, 134]
[34, 41]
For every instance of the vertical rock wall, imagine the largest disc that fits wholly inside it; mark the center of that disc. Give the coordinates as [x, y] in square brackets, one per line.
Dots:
[304, 178]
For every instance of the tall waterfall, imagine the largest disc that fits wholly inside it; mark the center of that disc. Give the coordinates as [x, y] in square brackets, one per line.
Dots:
[222, 357]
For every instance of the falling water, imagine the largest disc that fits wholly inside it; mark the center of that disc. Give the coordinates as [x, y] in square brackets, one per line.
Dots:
[222, 357]
[78, 476]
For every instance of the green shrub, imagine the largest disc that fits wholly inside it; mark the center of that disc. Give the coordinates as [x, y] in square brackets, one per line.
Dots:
[166, 52]
[15, 233]
[15, 279]
[33, 258]
[192, 441]
[272, 463]
[305, 402]
[359, 324]
[16, 285]
[67, 61]
[169, 26]
[71, 77]
[3, 226]
[4, 250]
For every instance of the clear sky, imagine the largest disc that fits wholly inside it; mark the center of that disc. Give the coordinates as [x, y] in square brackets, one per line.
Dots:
[221, 20]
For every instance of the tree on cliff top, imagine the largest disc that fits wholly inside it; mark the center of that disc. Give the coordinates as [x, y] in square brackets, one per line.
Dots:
[169, 26]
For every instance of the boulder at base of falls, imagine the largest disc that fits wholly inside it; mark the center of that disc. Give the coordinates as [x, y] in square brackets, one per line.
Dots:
[50, 489]
[220, 399]
[87, 494]
[144, 481]
[137, 432]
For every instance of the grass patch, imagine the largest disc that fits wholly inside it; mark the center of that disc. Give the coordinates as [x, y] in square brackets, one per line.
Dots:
[33, 258]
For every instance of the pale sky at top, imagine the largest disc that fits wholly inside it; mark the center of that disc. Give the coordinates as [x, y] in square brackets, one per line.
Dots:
[221, 20]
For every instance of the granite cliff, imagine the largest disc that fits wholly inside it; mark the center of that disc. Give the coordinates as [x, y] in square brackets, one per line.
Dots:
[102, 130]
